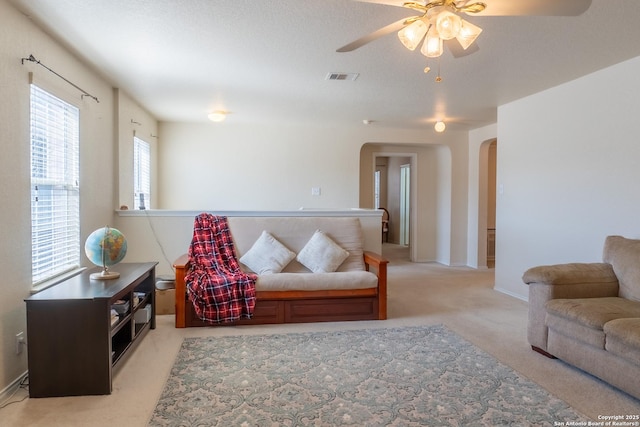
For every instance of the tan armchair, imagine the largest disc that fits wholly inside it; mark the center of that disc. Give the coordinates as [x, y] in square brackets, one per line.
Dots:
[588, 314]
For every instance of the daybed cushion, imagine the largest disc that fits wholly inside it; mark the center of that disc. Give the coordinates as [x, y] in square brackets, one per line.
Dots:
[321, 254]
[316, 281]
[623, 338]
[267, 255]
[584, 318]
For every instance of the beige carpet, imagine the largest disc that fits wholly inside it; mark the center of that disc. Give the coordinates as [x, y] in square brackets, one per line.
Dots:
[419, 294]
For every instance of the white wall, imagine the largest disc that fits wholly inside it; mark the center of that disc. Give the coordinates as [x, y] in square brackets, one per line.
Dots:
[569, 165]
[228, 166]
[98, 159]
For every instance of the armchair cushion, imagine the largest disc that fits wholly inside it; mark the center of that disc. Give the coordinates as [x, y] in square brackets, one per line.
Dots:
[593, 312]
[623, 338]
[624, 255]
[584, 318]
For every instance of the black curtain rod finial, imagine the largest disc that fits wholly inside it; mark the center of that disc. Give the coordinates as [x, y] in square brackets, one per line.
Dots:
[30, 58]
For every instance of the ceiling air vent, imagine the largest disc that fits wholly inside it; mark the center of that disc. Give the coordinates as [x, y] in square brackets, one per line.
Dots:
[342, 76]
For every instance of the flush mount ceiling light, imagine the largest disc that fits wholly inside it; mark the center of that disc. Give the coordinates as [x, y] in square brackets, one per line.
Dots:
[440, 126]
[218, 116]
[440, 22]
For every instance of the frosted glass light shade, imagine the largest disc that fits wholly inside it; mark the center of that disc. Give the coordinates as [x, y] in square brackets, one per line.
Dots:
[468, 34]
[432, 46]
[448, 25]
[217, 116]
[440, 127]
[412, 34]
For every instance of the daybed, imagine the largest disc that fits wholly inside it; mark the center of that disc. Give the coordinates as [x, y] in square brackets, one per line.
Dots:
[588, 314]
[357, 290]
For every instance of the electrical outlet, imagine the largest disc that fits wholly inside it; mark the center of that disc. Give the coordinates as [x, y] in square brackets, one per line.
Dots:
[19, 342]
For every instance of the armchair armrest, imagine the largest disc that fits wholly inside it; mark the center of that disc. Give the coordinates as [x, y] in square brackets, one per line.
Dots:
[575, 280]
[570, 274]
[372, 259]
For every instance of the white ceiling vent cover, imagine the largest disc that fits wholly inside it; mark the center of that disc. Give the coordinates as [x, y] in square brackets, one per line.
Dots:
[342, 76]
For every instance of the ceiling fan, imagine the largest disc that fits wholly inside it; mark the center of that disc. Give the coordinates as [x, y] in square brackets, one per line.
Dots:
[440, 21]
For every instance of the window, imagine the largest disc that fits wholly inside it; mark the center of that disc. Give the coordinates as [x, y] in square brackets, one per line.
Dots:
[55, 190]
[141, 174]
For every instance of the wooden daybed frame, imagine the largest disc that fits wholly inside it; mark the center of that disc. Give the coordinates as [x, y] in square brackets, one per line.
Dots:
[299, 306]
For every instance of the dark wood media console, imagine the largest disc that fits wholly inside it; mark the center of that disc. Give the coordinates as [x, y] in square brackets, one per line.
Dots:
[74, 344]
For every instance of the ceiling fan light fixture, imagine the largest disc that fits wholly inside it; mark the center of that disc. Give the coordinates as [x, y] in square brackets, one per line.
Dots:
[433, 45]
[412, 34]
[468, 34]
[448, 25]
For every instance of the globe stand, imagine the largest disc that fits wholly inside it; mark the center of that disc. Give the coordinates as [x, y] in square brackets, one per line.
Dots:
[105, 274]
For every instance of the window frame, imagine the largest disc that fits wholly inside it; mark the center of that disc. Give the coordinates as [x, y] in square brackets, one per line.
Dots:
[54, 142]
[141, 173]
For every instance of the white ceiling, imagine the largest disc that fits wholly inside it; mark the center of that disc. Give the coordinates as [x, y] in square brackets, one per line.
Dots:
[268, 60]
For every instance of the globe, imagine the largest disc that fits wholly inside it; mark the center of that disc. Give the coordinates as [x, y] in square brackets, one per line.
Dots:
[105, 247]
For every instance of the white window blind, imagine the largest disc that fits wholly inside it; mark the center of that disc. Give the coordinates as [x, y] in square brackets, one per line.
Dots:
[55, 191]
[141, 174]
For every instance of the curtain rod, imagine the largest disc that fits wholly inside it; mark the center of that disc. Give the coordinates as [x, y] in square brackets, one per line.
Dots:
[84, 92]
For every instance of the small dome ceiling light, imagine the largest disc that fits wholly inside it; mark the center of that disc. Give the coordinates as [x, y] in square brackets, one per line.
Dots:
[218, 116]
[440, 126]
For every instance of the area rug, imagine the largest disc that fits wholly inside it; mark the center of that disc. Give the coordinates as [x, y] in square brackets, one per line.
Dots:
[410, 376]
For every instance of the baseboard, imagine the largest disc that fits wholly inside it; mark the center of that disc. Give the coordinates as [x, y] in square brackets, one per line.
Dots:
[6, 393]
[511, 294]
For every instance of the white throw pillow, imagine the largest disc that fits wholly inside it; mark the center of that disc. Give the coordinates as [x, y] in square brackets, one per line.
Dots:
[321, 254]
[267, 255]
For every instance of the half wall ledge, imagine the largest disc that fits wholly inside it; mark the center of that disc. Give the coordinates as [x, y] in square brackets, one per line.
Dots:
[302, 212]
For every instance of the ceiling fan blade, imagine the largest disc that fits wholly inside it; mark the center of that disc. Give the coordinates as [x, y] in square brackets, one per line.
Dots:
[398, 3]
[457, 51]
[396, 26]
[532, 7]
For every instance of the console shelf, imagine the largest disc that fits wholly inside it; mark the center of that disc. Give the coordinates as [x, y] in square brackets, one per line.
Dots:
[74, 344]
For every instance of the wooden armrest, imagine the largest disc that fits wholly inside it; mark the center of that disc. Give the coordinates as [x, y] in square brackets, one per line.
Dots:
[181, 265]
[374, 259]
[380, 264]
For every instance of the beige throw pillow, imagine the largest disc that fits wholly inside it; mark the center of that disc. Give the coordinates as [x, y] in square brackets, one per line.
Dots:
[321, 254]
[267, 255]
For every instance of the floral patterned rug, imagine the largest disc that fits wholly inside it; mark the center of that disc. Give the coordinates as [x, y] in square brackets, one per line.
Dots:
[410, 376]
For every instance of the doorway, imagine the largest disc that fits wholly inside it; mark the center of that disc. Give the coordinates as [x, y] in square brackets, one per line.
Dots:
[491, 203]
[393, 190]
[405, 204]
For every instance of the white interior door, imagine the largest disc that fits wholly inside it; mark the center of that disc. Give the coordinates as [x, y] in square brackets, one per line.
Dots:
[405, 198]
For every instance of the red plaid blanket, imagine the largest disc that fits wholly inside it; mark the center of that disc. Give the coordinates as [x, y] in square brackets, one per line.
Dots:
[219, 290]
